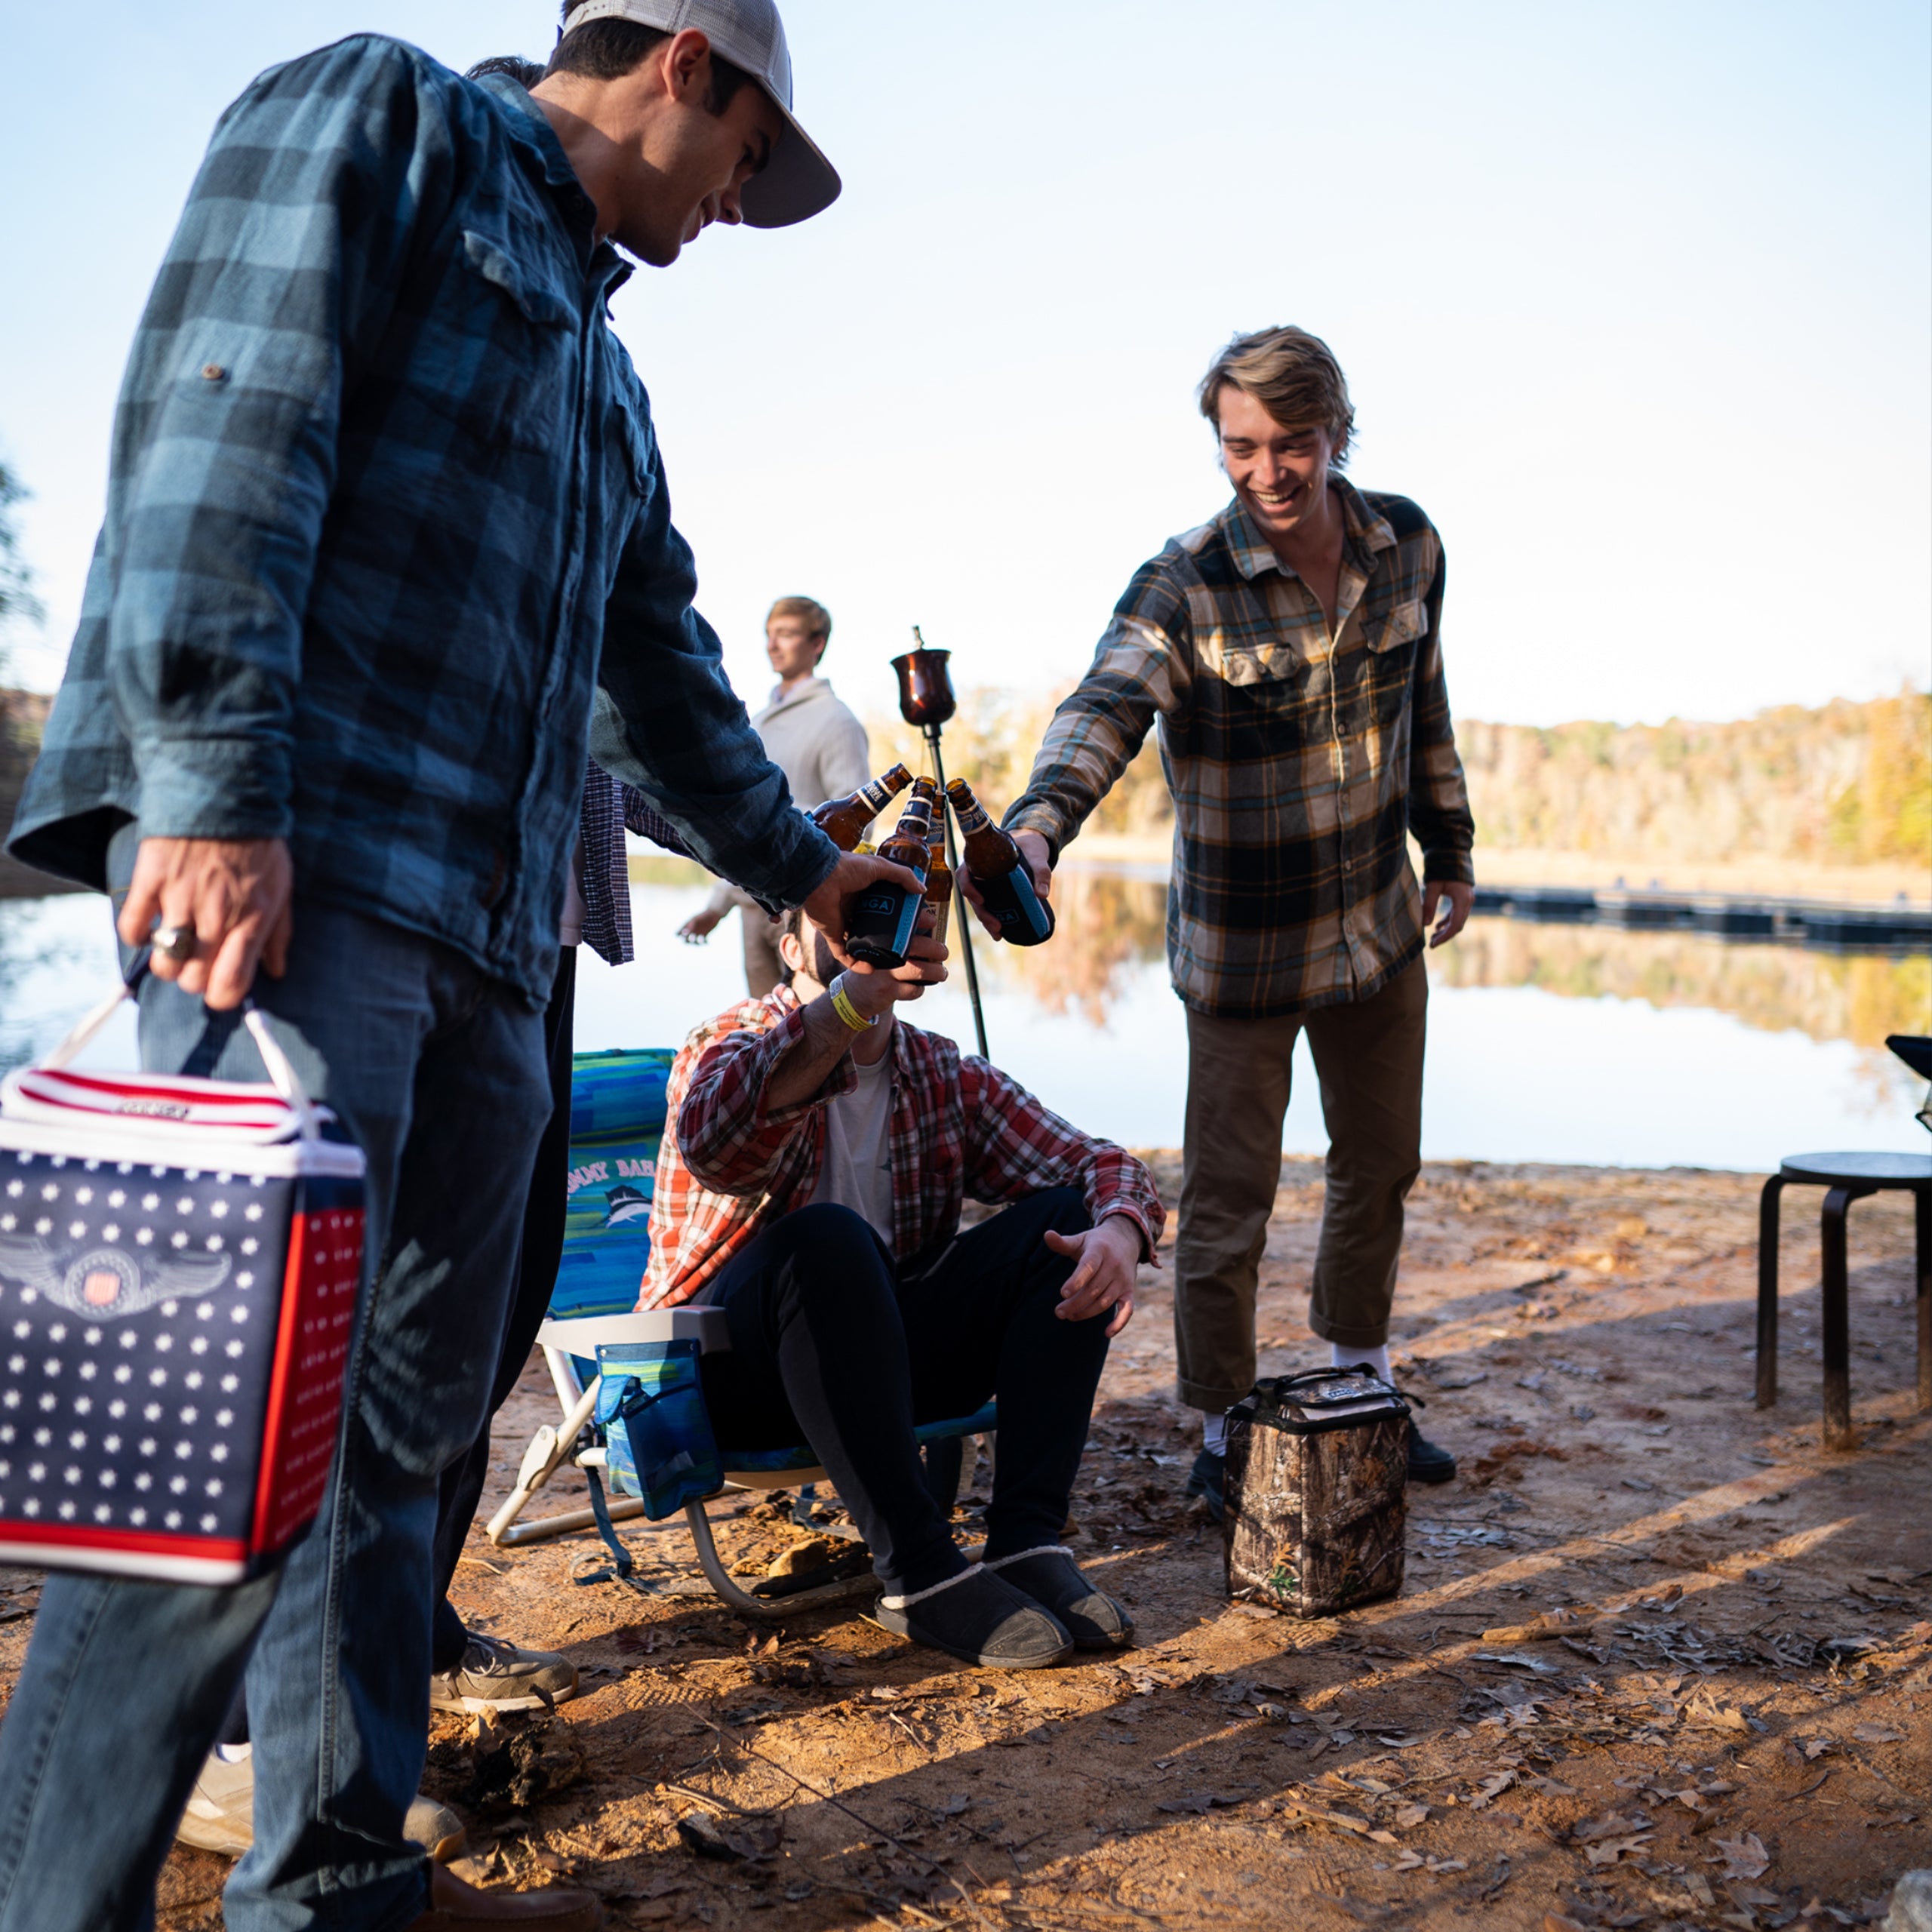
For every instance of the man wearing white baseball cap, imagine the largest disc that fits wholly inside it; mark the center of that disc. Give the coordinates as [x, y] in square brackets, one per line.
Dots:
[796, 181]
[388, 545]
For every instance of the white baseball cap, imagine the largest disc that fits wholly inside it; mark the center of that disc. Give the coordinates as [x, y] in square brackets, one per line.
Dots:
[798, 182]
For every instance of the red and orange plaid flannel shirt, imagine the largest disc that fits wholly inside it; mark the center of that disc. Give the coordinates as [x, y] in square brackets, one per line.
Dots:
[729, 1165]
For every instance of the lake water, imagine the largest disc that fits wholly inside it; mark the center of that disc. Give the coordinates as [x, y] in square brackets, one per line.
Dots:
[1546, 1043]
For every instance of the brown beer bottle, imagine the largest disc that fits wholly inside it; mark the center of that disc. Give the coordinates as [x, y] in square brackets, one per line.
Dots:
[938, 888]
[880, 920]
[927, 788]
[1000, 870]
[844, 820]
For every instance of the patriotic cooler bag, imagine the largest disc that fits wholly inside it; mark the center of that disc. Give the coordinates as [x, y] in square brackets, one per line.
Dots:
[179, 1263]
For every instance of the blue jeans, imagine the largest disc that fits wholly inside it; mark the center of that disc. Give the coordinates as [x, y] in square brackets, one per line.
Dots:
[438, 1071]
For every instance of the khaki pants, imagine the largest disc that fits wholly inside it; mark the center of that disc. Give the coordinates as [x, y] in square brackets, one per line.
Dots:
[764, 969]
[1368, 1056]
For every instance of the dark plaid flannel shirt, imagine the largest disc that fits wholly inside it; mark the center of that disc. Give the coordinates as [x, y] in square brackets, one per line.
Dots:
[1297, 772]
[388, 539]
[729, 1165]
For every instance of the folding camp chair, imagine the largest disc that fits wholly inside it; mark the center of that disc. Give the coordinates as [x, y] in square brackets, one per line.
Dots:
[617, 1122]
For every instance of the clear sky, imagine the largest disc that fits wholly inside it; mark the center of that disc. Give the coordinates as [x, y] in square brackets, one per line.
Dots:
[1636, 300]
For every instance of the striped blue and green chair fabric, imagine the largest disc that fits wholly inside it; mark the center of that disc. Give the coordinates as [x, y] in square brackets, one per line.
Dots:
[617, 1122]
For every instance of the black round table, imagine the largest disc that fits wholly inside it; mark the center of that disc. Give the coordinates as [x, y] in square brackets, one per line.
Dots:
[1846, 1177]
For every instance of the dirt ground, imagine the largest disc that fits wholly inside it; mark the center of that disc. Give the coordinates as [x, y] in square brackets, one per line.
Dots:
[1730, 1729]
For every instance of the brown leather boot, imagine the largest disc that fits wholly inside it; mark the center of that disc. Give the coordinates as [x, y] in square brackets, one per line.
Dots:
[456, 1907]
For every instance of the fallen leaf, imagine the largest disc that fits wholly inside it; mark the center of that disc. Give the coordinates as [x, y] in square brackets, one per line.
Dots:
[1713, 1717]
[1407, 1817]
[1816, 1747]
[1522, 1660]
[1491, 1787]
[1743, 1857]
[1408, 1862]
[1609, 1826]
[1609, 1852]
[711, 1837]
[1876, 1733]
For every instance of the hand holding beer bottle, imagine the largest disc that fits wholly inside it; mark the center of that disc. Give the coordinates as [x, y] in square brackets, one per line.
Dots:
[996, 874]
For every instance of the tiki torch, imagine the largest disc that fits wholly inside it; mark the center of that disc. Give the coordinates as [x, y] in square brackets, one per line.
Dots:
[926, 701]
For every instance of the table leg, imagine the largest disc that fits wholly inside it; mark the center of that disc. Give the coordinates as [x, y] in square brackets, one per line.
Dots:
[1767, 1291]
[1836, 1323]
[1922, 1214]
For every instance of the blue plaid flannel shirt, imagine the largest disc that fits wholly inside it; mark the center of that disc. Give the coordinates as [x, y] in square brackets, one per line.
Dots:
[388, 542]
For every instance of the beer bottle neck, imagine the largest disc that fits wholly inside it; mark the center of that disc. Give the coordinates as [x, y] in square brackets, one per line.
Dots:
[968, 811]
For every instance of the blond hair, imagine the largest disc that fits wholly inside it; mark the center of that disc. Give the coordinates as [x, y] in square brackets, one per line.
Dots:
[1293, 375]
[816, 619]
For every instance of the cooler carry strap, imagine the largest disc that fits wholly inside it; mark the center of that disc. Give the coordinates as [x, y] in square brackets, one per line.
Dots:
[282, 1076]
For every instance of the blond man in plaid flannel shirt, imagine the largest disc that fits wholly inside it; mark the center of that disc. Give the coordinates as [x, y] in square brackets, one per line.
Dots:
[1291, 650]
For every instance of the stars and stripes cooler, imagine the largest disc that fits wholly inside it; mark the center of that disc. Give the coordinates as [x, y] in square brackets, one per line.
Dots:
[179, 1265]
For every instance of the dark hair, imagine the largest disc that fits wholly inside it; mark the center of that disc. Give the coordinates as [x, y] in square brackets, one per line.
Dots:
[792, 921]
[608, 50]
[512, 66]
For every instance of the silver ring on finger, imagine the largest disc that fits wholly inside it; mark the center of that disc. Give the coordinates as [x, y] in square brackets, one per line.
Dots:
[175, 942]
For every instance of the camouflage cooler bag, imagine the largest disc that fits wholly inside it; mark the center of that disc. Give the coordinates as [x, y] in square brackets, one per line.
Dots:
[1316, 1466]
[180, 1260]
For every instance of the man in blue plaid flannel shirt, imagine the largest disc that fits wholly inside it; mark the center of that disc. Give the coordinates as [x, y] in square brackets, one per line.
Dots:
[388, 548]
[1290, 649]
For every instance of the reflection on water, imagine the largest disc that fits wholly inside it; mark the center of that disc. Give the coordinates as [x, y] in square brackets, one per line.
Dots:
[1554, 1043]
[1110, 926]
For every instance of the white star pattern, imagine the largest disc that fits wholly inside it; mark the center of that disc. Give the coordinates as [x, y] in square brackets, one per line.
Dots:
[107, 1454]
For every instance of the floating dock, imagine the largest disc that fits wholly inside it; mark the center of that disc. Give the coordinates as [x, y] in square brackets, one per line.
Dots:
[1817, 923]
[1743, 917]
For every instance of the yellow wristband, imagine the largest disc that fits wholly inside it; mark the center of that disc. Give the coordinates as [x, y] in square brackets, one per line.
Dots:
[841, 1005]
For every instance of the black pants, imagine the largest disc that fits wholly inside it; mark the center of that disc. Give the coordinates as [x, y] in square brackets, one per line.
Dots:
[537, 1261]
[832, 1344]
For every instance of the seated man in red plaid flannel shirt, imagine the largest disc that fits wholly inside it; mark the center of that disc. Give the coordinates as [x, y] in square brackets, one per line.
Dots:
[809, 1184]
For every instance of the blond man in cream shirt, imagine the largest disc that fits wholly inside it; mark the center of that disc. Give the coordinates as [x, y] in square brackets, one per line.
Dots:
[819, 745]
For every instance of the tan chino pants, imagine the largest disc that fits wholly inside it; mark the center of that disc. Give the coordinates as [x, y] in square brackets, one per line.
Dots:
[1368, 1056]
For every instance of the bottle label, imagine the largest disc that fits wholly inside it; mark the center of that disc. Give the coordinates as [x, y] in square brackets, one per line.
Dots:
[881, 927]
[968, 811]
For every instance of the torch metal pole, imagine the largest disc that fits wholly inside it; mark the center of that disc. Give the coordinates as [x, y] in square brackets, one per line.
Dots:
[964, 911]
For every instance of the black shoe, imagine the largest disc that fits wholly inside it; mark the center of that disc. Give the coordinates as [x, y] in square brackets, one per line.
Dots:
[1429, 1461]
[1052, 1579]
[979, 1618]
[1208, 1481]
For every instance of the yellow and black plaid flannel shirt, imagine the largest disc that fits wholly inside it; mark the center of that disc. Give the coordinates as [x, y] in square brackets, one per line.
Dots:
[1299, 761]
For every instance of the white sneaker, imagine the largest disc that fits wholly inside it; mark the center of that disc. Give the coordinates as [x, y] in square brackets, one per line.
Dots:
[220, 1816]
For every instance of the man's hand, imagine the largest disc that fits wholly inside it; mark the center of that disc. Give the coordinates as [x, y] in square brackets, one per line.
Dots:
[1033, 850]
[874, 992]
[1455, 898]
[826, 908]
[232, 894]
[699, 926]
[1104, 1260]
